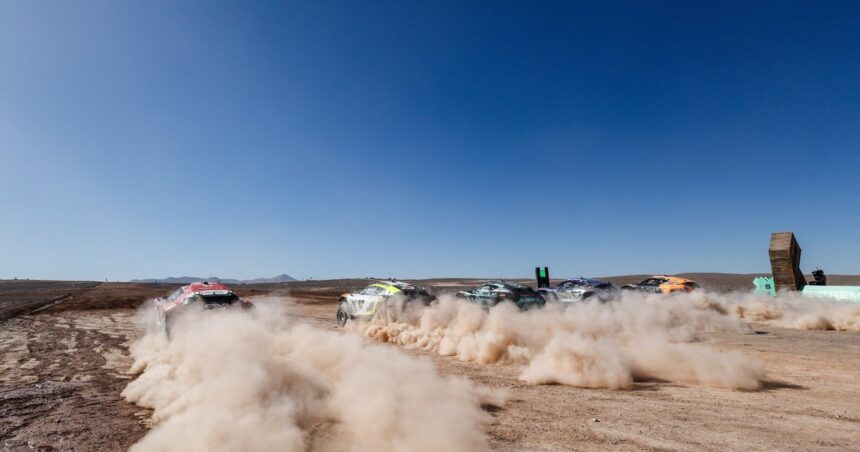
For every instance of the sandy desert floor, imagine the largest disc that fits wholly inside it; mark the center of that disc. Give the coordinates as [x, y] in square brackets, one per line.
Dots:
[64, 366]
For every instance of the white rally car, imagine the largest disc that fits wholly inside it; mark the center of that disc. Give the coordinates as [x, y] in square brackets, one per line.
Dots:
[378, 297]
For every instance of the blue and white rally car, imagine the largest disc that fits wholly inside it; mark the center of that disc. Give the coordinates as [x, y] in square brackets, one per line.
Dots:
[575, 290]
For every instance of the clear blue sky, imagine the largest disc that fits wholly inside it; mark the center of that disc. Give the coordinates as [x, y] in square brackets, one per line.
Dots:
[423, 139]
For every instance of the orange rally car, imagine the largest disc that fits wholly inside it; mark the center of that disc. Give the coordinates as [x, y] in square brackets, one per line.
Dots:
[663, 284]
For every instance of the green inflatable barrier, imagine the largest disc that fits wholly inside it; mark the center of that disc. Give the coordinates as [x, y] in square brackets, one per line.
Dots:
[838, 293]
[764, 285]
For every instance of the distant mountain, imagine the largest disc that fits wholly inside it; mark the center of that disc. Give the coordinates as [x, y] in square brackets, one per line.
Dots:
[275, 279]
[189, 279]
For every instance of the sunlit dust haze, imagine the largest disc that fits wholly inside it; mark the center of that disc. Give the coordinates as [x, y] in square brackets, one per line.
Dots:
[787, 310]
[254, 381]
[257, 381]
[588, 345]
[611, 345]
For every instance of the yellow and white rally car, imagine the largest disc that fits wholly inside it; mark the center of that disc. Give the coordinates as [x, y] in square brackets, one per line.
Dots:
[377, 297]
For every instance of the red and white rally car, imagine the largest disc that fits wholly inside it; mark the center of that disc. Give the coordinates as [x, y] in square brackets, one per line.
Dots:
[204, 294]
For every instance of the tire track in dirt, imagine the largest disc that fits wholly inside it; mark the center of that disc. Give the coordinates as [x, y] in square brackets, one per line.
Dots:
[61, 392]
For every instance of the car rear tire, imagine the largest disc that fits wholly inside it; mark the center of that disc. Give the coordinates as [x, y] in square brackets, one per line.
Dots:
[342, 317]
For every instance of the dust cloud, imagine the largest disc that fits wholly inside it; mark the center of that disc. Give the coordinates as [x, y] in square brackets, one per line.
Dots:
[254, 381]
[611, 345]
[238, 381]
[786, 310]
[589, 345]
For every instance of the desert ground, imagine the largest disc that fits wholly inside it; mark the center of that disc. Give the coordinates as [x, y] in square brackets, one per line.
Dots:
[65, 357]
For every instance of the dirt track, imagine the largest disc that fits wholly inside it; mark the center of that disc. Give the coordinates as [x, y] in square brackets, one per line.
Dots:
[63, 369]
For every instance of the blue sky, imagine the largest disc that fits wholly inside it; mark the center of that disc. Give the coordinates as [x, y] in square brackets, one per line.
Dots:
[425, 139]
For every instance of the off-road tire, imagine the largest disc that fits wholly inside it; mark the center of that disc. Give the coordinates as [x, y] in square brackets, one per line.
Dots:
[341, 317]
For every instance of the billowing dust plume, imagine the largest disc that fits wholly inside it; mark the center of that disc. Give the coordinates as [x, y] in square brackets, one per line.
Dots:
[240, 381]
[589, 344]
[786, 310]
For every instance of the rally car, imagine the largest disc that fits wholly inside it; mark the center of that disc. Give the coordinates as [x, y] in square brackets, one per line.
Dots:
[204, 294]
[379, 297]
[579, 289]
[663, 284]
[495, 292]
